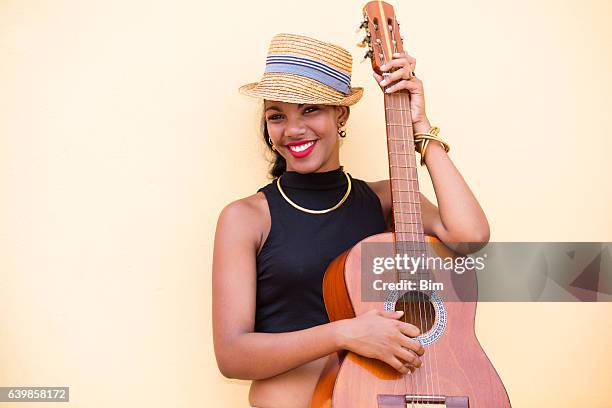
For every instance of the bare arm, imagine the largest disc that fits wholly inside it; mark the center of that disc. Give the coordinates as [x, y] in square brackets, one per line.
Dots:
[244, 354]
[460, 218]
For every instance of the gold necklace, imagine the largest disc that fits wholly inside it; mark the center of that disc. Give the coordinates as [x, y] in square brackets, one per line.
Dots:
[309, 211]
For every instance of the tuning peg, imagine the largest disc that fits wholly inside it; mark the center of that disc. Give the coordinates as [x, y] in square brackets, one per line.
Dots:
[368, 55]
[363, 25]
[364, 42]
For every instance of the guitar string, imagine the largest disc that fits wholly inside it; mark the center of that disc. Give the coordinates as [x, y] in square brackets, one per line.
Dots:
[387, 57]
[418, 235]
[416, 230]
[434, 348]
[390, 118]
[406, 159]
[397, 241]
[402, 137]
[415, 242]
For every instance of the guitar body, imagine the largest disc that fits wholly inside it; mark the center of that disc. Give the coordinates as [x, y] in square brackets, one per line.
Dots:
[454, 364]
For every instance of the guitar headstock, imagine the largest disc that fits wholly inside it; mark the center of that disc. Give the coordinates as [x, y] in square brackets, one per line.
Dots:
[382, 33]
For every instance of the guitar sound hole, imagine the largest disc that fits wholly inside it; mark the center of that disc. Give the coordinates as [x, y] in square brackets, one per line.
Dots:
[418, 310]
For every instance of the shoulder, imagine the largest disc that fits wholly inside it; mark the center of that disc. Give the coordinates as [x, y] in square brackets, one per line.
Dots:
[379, 187]
[248, 208]
[246, 218]
[382, 189]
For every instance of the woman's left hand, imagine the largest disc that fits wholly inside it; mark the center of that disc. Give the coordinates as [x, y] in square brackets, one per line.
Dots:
[401, 78]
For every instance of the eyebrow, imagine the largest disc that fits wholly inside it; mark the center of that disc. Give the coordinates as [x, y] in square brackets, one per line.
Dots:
[276, 108]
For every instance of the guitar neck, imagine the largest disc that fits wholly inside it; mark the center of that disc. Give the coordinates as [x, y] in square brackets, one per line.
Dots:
[403, 169]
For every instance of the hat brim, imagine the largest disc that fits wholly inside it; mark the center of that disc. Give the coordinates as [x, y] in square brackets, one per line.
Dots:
[292, 88]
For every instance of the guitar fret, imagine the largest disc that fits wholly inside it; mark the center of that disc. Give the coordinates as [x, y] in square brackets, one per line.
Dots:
[412, 197]
[402, 153]
[402, 166]
[397, 124]
[419, 237]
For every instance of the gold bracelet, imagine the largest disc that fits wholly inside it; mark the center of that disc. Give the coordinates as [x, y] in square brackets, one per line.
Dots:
[422, 140]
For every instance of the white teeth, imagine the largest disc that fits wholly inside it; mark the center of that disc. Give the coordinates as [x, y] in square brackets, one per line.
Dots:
[301, 148]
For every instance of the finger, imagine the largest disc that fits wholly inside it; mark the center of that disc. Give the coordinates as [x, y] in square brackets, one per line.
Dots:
[404, 70]
[408, 356]
[391, 314]
[397, 364]
[398, 62]
[413, 345]
[414, 85]
[408, 329]
[404, 54]
[394, 63]
[378, 78]
[398, 86]
[395, 76]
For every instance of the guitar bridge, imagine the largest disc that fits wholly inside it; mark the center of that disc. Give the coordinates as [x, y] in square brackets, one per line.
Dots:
[422, 401]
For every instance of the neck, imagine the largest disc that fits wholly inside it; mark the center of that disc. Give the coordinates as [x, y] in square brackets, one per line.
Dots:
[327, 166]
[321, 180]
[402, 169]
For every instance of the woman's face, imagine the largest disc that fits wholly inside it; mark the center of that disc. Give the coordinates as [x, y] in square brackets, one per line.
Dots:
[305, 135]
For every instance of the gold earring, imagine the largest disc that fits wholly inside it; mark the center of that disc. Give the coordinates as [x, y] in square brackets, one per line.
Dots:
[341, 132]
[271, 143]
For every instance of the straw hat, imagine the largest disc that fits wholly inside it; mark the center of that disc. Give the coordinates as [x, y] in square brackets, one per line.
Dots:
[301, 69]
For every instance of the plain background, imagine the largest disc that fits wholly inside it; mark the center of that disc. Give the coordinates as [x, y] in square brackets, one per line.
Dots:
[122, 135]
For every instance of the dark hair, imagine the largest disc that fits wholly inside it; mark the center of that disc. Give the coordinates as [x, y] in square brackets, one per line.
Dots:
[278, 165]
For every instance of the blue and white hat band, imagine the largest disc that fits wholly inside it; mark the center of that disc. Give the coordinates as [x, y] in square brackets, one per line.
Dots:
[330, 76]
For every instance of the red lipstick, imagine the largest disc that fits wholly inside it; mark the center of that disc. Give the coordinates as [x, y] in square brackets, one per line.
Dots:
[301, 153]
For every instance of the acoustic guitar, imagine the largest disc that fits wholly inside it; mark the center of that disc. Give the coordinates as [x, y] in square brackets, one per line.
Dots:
[456, 372]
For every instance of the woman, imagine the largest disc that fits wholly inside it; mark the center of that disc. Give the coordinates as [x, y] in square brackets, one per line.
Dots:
[272, 248]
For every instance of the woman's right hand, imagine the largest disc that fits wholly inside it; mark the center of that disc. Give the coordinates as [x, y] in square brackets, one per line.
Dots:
[378, 334]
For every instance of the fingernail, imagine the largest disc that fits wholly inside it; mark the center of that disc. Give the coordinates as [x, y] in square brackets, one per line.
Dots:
[388, 90]
[383, 82]
[400, 311]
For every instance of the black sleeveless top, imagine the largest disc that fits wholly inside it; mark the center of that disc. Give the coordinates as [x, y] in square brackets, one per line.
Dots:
[300, 246]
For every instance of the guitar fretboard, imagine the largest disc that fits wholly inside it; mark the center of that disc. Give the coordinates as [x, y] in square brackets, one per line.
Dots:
[402, 169]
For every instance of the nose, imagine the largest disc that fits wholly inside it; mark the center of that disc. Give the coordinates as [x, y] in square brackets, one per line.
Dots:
[295, 127]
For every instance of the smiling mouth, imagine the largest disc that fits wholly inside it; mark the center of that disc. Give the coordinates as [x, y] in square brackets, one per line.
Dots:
[301, 150]
[302, 147]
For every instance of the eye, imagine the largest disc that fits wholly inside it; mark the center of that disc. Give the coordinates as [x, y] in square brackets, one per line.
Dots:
[311, 109]
[274, 117]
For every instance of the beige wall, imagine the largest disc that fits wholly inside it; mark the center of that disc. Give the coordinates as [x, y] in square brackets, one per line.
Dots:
[122, 136]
